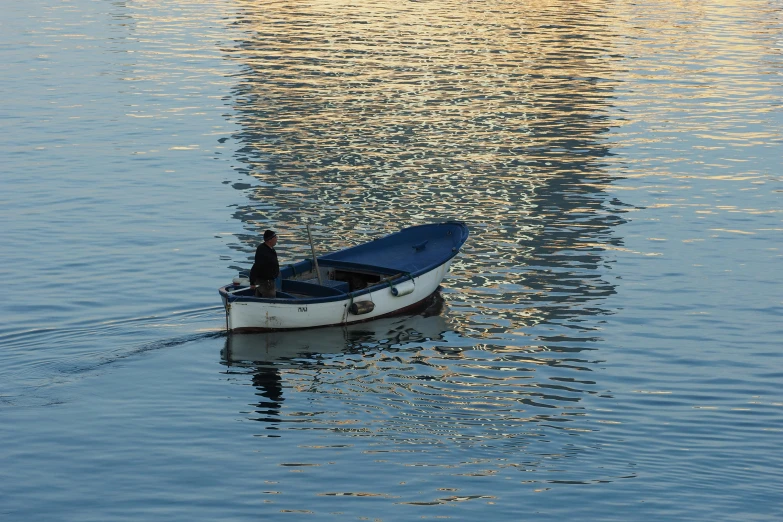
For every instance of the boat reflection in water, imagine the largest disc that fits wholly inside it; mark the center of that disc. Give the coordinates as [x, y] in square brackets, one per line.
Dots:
[271, 358]
[283, 349]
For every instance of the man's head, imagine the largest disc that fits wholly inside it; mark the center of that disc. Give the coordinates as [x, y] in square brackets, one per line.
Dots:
[270, 238]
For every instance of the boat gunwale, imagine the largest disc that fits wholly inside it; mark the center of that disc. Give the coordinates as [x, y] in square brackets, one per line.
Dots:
[233, 298]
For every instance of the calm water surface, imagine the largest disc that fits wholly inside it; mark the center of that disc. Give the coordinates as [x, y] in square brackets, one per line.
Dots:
[607, 346]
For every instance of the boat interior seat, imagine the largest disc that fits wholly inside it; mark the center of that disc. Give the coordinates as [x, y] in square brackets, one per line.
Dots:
[291, 286]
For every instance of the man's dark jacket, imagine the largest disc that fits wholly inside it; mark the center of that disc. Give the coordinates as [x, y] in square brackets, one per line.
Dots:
[266, 265]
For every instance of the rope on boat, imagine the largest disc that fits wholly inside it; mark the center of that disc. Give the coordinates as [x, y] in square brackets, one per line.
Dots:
[348, 307]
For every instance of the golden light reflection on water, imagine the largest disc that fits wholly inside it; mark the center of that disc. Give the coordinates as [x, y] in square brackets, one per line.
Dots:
[426, 112]
[514, 117]
[387, 136]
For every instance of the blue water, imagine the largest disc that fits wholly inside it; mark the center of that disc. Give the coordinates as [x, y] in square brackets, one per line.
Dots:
[608, 346]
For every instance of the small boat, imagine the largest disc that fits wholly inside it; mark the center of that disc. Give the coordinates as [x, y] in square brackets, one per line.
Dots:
[390, 275]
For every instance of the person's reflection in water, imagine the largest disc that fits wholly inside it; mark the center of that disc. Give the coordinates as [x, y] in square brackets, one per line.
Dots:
[270, 386]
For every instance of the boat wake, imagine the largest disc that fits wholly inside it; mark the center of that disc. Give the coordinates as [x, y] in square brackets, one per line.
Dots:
[38, 361]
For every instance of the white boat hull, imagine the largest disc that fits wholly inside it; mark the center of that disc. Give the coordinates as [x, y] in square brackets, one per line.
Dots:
[248, 315]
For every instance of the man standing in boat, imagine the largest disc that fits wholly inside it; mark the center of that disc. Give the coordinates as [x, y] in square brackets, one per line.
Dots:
[266, 267]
